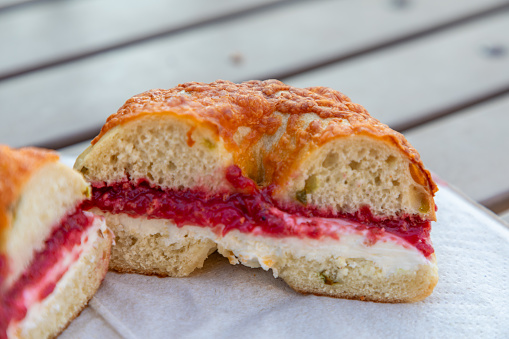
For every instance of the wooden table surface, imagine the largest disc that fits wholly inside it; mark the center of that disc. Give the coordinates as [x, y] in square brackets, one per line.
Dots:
[436, 70]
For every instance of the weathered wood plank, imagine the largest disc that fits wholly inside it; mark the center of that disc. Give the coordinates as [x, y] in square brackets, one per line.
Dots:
[61, 102]
[405, 85]
[53, 31]
[79, 28]
[468, 149]
[10, 3]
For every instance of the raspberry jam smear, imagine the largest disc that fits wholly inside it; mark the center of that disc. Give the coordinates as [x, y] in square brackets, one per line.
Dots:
[64, 237]
[249, 210]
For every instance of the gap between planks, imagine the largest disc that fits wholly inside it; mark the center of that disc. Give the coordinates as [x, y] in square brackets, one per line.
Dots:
[246, 12]
[403, 126]
[498, 204]
[392, 43]
[15, 4]
[93, 130]
[448, 111]
[153, 36]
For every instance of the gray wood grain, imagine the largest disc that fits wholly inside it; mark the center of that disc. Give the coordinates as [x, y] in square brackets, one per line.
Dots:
[469, 149]
[62, 102]
[56, 30]
[9, 3]
[51, 31]
[416, 80]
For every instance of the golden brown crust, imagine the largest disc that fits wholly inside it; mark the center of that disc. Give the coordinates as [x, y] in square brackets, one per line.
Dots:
[16, 168]
[226, 106]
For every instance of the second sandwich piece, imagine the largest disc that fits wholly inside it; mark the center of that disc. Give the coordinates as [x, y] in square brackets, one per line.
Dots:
[300, 181]
[53, 255]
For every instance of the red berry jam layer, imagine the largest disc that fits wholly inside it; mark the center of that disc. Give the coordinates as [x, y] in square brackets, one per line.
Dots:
[249, 210]
[64, 237]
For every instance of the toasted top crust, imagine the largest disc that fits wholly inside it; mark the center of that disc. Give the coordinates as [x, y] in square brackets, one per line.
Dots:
[226, 107]
[16, 168]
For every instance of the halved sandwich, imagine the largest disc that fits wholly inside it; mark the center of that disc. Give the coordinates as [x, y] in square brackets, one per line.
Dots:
[300, 181]
[53, 255]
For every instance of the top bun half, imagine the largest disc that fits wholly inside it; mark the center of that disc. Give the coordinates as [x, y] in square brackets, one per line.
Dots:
[313, 145]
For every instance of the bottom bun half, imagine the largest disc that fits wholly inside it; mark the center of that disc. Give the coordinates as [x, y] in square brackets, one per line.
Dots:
[343, 268]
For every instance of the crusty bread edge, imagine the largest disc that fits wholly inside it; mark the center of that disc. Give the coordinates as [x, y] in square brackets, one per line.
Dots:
[16, 168]
[337, 107]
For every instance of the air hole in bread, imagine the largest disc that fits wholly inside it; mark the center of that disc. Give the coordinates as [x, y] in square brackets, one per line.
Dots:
[395, 182]
[149, 171]
[330, 160]
[400, 198]
[378, 181]
[354, 165]
[171, 166]
[113, 158]
[133, 240]
[391, 160]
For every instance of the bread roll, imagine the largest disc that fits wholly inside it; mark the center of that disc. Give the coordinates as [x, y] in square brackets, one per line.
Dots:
[53, 255]
[300, 181]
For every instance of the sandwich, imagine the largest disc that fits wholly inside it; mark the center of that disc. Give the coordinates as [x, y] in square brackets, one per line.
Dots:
[53, 255]
[302, 182]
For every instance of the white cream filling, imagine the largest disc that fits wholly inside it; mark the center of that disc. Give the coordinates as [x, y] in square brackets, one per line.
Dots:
[390, 253]
[66, 266]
